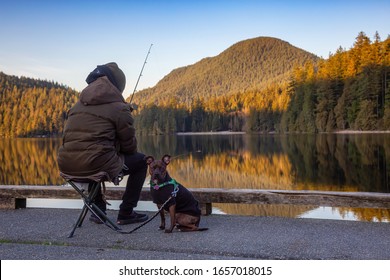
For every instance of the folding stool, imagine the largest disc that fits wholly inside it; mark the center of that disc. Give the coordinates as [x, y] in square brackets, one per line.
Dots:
[95, 182]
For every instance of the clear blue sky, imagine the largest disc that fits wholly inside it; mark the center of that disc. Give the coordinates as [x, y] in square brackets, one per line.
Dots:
[65, 40]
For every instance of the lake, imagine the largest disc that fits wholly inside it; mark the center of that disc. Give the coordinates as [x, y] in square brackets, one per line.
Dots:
[331, 162]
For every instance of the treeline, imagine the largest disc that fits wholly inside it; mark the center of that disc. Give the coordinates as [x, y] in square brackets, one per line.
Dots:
[30, 107]
[350, 90]
[254, 110]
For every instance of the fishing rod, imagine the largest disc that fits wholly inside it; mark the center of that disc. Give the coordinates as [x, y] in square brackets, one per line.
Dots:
[140, 74]
[184, 154]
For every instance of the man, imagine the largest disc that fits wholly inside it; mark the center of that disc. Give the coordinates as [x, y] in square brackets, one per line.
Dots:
[99, 136]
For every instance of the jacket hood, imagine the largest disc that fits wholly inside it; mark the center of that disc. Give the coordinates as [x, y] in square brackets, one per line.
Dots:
[111, 70]
[101, 91]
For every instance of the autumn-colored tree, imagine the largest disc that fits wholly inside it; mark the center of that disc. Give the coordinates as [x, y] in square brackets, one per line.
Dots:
[31, 107]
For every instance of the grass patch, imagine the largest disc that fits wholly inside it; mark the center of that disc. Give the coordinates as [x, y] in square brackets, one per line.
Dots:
[46, 243]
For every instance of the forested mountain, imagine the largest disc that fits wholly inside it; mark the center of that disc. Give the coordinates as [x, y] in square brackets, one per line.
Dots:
[218, 93]
[30, 107]
[249, 65]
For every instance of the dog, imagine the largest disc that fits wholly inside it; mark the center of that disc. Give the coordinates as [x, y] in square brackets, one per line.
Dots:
[183, 208]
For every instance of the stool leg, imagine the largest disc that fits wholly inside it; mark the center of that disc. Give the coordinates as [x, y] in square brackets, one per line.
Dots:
[87, 200]
[103, 217]
[91, 206]
[79, 220]
[100, 214]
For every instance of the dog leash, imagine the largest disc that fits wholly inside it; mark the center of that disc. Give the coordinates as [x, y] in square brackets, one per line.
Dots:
[146, 222]
[138, 227]
[173, 194]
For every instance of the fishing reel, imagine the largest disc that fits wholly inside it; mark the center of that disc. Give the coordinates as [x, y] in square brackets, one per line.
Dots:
[133, 107]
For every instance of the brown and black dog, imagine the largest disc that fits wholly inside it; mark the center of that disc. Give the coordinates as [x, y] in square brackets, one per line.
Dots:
[183, 208]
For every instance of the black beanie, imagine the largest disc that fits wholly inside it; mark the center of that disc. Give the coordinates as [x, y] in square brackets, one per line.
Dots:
[112, 72]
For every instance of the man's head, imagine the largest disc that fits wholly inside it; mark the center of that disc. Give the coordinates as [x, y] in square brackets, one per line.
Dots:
[112, 72]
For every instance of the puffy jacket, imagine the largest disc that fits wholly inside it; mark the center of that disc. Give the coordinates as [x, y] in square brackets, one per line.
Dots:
[98, 131]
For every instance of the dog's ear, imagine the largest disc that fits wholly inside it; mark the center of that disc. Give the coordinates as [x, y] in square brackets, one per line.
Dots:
[166, 159]
[149, 159]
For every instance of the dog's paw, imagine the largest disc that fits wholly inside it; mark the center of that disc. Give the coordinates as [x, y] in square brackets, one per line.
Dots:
[161, 227]
[168, 231]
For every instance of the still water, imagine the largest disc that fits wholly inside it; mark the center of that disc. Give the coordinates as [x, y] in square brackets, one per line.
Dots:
[333, 162]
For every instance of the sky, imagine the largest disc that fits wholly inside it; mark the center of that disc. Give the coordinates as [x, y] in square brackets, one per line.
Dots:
[63, 41]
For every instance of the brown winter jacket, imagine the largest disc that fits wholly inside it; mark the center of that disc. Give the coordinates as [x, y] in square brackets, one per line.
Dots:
[99, 129]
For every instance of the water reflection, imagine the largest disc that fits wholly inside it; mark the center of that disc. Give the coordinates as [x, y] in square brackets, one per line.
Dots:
[289, 162]
[299, 211]
[29, 162]
[310, 162]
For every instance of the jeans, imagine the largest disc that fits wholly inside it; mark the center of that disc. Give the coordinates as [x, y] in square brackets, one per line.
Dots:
[136, 169]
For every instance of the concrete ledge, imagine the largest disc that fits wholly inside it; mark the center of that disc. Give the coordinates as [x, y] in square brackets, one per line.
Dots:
[12, 197]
